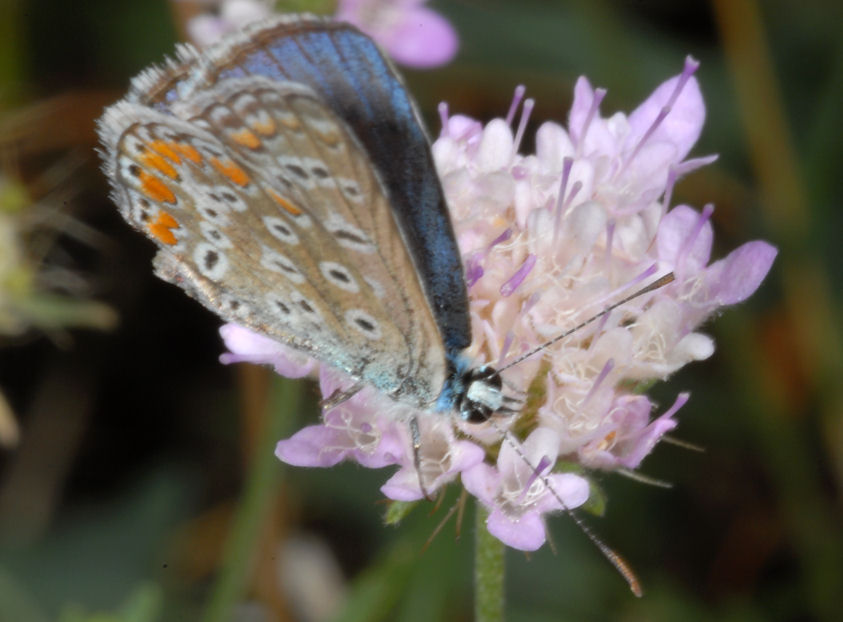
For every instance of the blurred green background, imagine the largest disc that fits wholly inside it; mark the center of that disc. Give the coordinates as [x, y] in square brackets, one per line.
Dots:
[141, 462]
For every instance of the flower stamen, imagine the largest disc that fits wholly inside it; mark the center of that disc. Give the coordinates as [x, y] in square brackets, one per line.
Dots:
[579, 141]
[526, 111]
[516, 279]
[517, 96]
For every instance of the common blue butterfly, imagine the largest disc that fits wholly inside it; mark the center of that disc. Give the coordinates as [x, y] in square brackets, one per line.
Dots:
[288, 182]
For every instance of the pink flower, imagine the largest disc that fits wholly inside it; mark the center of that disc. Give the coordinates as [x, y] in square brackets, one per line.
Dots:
[631, 435]
[349, 431]
[442, 457]
[517, 495]
[246, 346]
[549, 239]
[411, 34]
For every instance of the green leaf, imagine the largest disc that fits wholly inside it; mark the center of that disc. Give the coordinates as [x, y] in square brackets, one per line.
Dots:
[396, 511]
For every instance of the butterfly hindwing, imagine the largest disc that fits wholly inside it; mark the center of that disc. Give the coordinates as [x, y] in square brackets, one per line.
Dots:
[265, 223]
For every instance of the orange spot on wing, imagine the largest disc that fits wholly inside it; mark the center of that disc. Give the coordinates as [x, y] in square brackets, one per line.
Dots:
[166, 150]
[246, 138]
[188, 151]
[332, 139]
[290, 121]
[265, 128]
[283, 202]
[236, 174]
[155, 189]
[161, 228]
[159, 163]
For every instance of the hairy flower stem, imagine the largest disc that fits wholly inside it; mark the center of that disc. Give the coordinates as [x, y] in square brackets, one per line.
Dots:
[260, 487]
[488, 571]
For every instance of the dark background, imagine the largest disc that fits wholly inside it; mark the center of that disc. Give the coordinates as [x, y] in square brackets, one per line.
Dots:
[135, 441]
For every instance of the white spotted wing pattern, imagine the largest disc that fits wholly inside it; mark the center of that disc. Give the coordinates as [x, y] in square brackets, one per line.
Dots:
[267, 210]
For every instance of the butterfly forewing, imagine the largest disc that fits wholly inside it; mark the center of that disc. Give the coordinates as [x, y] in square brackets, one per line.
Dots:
[268, 211]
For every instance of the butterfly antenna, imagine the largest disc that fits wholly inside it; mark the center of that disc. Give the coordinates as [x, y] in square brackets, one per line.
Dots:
[613, 557]
[667, 278]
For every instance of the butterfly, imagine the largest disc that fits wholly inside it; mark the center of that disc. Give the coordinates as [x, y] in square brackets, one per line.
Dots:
[287, 180]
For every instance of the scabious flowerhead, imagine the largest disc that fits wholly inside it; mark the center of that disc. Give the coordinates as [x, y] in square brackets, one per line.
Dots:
[412, 34]
[550, 239]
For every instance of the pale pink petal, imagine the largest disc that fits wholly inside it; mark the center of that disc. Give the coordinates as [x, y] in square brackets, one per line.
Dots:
[390, 450]
[674, 231]
[587, 130]
[307, 448]
[422, 39]
[636, 451]
[738, 275]
[403, 486]
[204, 29]
[482, 481]
[525, 533]
[465, 455]
[241, 12]
[681, 127]
[247, 346]
[572, 490]
[410, 33]
[496, 145]
[553, 145]
[461, 127]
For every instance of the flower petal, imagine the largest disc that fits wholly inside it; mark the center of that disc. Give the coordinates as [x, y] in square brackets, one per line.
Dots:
[525, 533]
[737, 276]
[422, 39]
[250, 347]
[683, 124]
[674, 231]
[403, 486]
[307, 448]
[482, 481]
[571, 489]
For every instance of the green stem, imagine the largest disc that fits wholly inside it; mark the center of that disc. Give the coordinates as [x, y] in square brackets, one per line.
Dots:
[488, 571]
[262, 480]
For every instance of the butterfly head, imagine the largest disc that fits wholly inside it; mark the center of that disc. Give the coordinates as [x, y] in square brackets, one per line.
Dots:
[481, 396]
[476, 393]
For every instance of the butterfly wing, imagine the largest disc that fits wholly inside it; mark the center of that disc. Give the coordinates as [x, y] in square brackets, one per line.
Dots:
[268, 210]
[346, 70]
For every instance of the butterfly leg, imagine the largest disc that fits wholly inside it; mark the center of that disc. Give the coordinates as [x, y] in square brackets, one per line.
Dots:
[415, 434]
[338, 397]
